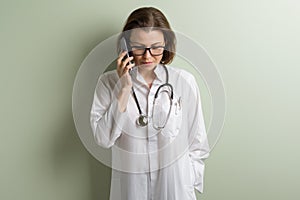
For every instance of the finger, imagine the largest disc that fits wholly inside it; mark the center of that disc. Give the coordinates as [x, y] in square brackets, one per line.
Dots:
[124, 64]
[130, 66]
[120, 64]
[123, 69]
[127, 61]
[121, 56]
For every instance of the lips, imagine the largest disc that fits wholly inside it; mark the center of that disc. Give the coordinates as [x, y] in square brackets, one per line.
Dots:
[146, 63]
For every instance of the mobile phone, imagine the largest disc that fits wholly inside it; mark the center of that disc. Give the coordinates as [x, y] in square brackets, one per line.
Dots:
[124, 47]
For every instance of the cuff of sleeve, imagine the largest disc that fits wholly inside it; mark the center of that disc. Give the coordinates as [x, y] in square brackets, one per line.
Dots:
[199, 187]
[199, 179]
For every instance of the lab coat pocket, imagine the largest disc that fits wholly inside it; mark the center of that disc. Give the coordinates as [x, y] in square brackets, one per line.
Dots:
[174, 122]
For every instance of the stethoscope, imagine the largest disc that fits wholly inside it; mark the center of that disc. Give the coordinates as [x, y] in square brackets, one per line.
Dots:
[143, 120]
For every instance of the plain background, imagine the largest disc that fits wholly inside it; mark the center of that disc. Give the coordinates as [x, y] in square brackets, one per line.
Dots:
[255, 44]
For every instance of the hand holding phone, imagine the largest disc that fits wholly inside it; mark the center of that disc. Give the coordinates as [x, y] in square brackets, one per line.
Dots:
[124, 47]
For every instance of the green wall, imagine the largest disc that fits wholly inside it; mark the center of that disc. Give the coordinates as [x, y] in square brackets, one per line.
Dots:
[255, 45]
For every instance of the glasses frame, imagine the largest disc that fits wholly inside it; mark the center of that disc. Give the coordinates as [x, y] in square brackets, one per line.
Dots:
[147, 49]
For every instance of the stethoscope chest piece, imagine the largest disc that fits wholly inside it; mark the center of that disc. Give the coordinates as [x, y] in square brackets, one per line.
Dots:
[142, 120]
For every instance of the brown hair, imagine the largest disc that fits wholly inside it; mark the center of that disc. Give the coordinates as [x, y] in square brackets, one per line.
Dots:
[150, 18]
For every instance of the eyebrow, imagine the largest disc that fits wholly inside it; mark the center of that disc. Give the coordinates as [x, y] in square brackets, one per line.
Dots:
[145, 45]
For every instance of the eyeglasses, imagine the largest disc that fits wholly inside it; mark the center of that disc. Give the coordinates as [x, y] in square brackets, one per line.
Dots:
[154, 51]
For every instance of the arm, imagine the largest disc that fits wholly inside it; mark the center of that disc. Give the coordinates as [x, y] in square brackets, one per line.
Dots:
[108, 112]
[107, 117]
[199, 148]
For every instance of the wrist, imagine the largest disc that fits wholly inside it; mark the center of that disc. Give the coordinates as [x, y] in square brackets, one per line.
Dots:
[126, 89]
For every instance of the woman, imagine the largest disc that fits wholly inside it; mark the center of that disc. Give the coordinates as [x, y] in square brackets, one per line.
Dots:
[150, 114]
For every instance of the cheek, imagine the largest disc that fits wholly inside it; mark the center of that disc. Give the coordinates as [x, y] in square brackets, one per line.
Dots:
[137, 59]
[158, 59]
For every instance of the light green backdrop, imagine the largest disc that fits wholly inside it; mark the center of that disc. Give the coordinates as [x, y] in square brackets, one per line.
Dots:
[255, 45]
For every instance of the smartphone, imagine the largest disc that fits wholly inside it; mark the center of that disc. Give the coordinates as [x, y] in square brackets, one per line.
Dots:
[124, 47]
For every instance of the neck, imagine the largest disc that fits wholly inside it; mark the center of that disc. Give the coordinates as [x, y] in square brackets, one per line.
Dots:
[148, 76]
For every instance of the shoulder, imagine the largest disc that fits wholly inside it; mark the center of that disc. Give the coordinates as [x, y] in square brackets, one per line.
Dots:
[107, 81]
[180, 74]
[109, 75]
[183, 81]
[109, 78]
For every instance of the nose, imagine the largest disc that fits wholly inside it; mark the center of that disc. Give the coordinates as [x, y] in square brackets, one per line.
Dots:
[147, 53]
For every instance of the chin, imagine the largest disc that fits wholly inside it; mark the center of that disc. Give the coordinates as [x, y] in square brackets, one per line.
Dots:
[147, 65]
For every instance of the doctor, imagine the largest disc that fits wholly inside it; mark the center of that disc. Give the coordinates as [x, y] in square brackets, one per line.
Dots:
[150, 115]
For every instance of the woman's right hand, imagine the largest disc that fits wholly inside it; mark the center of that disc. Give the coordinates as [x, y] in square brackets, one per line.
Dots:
[123, 67]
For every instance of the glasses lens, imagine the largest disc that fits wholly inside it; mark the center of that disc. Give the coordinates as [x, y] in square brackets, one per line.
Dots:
[161, 108]
[157, 51]
[138, 51]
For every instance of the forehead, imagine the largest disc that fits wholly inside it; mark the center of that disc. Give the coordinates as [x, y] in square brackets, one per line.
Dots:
[146, 37]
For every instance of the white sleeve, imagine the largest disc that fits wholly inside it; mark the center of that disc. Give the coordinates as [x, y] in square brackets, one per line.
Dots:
[199, 148]
[106, 119]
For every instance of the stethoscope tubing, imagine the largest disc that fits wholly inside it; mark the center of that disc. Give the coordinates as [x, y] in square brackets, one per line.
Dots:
[142, 117]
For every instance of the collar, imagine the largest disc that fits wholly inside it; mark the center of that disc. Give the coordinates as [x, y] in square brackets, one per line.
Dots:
[159, 73]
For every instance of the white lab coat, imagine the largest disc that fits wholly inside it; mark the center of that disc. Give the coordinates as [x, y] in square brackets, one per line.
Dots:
[148, 164]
